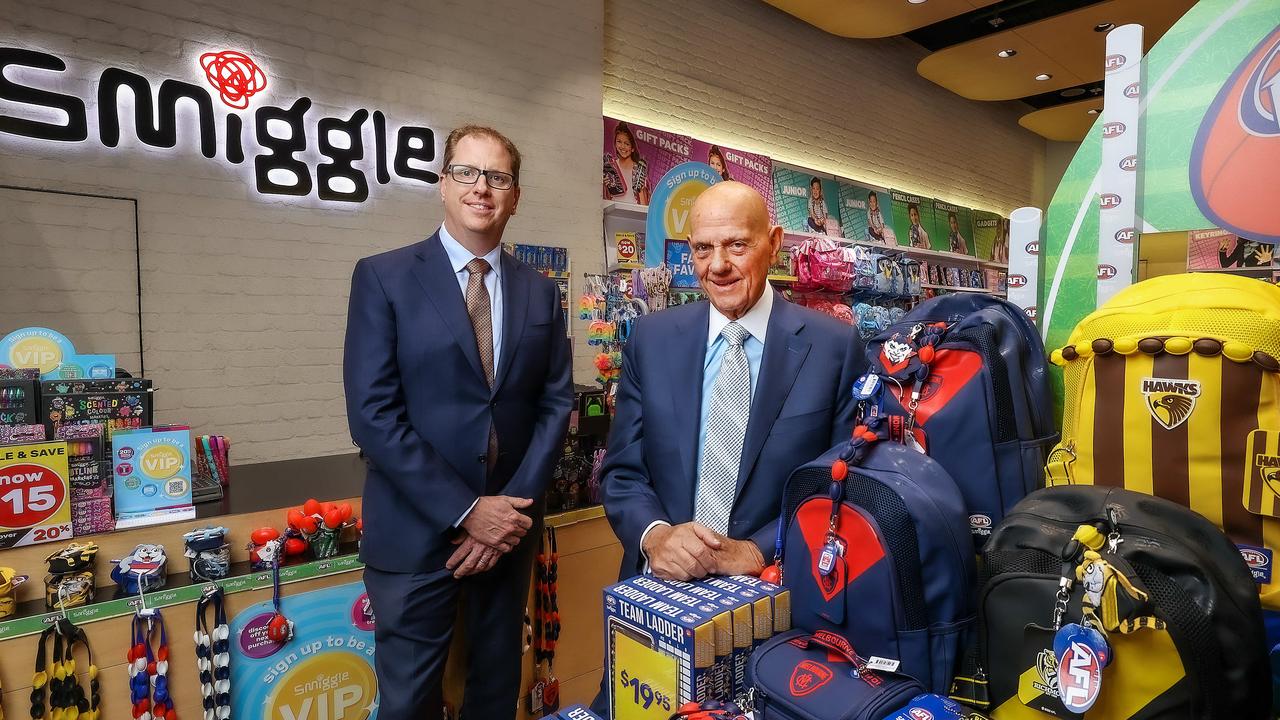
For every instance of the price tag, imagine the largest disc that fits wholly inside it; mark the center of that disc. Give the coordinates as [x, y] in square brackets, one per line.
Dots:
[644, 681]
[35, 503]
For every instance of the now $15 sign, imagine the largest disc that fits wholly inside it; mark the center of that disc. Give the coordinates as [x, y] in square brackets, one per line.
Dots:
[35, 505]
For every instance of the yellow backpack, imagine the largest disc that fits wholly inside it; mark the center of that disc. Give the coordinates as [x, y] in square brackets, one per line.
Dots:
[1173, 389]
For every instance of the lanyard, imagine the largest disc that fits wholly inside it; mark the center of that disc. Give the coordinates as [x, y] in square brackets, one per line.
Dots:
[59, 679]
[149, 670]
[213, 657]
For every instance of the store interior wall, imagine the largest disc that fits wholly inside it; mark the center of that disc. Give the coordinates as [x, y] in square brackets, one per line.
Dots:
[1057, 156]
[749, 76]
[244, 296]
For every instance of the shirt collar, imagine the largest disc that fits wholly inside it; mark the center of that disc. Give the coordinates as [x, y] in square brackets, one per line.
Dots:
[459, 256]
[756, 321]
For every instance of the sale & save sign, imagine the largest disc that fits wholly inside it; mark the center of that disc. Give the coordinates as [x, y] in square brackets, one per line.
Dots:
[34, 500]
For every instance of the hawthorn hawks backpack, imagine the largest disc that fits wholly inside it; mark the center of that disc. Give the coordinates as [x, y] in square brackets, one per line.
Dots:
[965, 377]
[1173, 389]
[1099, 602]
[874, 546]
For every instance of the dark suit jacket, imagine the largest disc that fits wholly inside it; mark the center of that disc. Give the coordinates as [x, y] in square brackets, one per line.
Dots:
[420, 408]
[802, 405]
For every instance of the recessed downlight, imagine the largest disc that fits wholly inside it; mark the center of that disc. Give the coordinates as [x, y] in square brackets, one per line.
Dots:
[1093, 111]
[917, 2]
[1103, 27]
[1044, 76]
[1072, 92]
[1008, 53]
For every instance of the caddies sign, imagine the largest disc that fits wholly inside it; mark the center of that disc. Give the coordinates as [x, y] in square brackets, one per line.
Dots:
[277, 141]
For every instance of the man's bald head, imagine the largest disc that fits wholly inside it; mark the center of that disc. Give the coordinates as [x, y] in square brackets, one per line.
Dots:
[732, 197]
[733, 246]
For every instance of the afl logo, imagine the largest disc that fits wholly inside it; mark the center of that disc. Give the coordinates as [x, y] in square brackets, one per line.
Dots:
[1131, 90]
[920, 714]
[1033, 247]
[978, 522]
[1112, 129]
[1115, 62]
[1129, 163]
[1108, 201]
[1126, 235]
[1254, 558]
[1079, 675]
[1235, 160]
[1106, 272]
[1030, 311]
[1017, 281]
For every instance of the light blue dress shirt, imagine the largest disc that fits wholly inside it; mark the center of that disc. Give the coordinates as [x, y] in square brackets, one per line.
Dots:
[756, 322]
[459, 256]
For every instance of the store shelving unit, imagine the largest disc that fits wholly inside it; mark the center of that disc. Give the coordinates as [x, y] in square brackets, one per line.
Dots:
[983, 291]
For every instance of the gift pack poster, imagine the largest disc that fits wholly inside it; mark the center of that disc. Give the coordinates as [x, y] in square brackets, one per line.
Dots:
[636, 157]
[751, 169]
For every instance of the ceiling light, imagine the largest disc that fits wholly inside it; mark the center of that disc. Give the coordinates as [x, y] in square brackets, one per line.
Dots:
[1103, 27]
[1072, 92]
[917, 2]
[1007, 53]
[1094, 111]
[1044, 76]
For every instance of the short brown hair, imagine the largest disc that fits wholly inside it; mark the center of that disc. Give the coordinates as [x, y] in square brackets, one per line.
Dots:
[451, 144]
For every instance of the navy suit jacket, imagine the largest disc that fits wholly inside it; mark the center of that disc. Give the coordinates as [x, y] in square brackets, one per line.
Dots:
[420, 408]
[802, 405]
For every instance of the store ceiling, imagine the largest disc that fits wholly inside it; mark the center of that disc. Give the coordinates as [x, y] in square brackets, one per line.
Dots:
[1051, 37]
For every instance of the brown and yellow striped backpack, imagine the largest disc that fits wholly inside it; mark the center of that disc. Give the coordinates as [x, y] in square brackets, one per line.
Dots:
[1173, 389]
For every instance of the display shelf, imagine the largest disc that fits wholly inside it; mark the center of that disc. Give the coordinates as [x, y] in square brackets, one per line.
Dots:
[791, 239]
[615, 208]
[983, 291]
[556, 275]
[1259, 270]
[32, 617]
[573, 517]
[994, 264]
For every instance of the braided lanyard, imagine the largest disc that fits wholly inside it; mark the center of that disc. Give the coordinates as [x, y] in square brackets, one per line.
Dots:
[548, 605]
[213, 657]
[149, 671]
[66, 697]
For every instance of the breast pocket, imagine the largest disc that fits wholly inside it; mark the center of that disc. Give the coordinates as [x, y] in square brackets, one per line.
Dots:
[808, 421]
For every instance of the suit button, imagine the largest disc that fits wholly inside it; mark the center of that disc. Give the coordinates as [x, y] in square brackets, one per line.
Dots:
[482, 458]
[493, 404]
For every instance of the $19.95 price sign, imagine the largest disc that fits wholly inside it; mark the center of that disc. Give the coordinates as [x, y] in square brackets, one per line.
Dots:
[644, 681]
[34, 502]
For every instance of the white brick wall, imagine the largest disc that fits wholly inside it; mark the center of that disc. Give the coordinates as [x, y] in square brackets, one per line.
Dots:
[742, 73]
[244, 297]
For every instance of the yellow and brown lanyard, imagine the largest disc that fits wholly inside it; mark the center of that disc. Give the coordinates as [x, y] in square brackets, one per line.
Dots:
[66, 697]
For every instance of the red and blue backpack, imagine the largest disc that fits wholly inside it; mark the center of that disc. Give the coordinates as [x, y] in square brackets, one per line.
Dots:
[965, 378]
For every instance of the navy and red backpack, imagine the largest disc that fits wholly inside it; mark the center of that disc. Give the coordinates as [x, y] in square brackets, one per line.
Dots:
[965, 377]
[874, 546]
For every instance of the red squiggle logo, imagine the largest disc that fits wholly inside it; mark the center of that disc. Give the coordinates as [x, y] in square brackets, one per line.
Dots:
[234, 75]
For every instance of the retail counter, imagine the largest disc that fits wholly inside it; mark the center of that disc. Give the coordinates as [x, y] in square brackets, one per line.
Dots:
[259, 496]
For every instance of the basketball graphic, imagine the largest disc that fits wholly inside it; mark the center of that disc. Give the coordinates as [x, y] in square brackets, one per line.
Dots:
[1235, 162]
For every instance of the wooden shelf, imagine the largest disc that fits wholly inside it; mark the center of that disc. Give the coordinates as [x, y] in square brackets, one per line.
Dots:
[994, 264]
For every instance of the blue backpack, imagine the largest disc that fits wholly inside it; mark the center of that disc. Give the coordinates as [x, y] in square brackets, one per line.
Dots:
[965, 376]
[900, 586]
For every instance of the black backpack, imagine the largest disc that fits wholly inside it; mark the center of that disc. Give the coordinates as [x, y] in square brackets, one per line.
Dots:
[1199, 650]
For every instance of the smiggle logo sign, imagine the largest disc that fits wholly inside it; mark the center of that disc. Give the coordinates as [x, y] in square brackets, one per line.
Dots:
[1235, 161]
[161, 462]
[334, 158]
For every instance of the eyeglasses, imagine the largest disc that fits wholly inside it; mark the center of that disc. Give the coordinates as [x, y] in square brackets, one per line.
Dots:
[468, 175]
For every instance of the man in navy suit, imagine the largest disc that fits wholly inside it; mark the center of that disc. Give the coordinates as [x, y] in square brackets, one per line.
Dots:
[719, 401]
[458, 381]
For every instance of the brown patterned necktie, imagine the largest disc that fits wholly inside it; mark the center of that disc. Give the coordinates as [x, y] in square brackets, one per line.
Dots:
[481, 314]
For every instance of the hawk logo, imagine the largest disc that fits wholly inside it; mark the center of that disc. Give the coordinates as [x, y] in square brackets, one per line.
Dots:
[1269, 468]
[808, 676]
[1170, 402]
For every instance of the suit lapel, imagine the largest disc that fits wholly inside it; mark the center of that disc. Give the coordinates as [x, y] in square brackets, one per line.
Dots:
[688, 350]
[784, 353]
[435, 275]
[515, 306]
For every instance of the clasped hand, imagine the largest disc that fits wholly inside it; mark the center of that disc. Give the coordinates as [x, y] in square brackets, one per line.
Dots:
[692, 550]
[493, 528]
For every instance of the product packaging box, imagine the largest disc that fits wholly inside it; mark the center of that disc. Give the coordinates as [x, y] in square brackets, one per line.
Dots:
[152, 471]
[760, 623]
[18, 400]
[778, 607]
[660, 644]
[115, 404]
[733, 637]
[575, 712]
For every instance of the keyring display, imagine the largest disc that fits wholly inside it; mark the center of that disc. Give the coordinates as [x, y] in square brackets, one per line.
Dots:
[208, 552]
